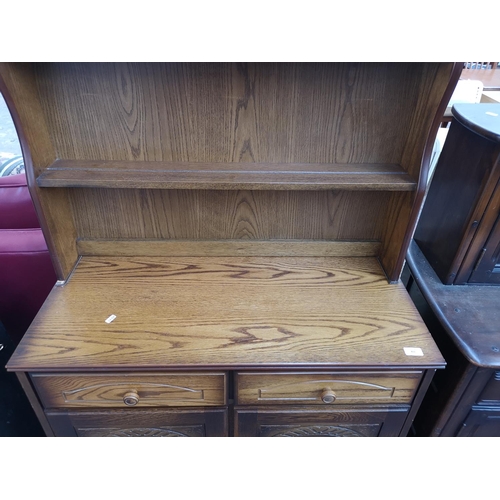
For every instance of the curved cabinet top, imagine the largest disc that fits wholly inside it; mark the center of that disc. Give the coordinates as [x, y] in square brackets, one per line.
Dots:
[483, 119]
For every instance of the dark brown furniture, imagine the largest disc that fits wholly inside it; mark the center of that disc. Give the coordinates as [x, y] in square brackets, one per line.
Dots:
[228, 240]
[459, 229]
[464, 399]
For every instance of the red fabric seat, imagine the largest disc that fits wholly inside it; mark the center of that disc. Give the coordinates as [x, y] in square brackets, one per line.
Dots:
[26, 271]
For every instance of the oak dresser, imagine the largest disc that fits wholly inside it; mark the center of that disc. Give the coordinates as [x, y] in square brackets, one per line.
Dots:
[228, 240]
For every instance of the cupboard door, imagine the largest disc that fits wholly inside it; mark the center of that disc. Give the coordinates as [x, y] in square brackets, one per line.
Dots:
[337, 422]
[487, 269]
[481, 422]
[140, 423]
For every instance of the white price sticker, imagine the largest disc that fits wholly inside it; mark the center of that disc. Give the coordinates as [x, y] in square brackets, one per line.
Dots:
[413, 351]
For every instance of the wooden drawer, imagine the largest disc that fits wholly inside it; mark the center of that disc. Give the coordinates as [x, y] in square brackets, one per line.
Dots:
[327, 388]
[131, 389]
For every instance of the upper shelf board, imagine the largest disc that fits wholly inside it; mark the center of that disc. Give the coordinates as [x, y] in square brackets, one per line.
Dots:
[225, 176]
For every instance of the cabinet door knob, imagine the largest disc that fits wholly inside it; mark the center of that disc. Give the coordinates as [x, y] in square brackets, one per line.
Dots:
[131, 398]
[328, 396]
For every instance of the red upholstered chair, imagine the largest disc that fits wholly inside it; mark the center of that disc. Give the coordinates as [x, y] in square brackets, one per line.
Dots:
[26, 271]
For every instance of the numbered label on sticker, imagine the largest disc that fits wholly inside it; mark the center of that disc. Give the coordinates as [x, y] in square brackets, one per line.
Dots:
[413, 351]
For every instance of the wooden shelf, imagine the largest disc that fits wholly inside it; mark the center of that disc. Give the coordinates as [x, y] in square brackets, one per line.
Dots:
[225, 176]
[226, 313]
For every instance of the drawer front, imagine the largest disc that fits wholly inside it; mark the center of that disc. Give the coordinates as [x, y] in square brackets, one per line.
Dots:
[327, 388]
[130, 390]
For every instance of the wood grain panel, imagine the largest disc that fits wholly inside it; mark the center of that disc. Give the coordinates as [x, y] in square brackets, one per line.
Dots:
[103, 390]
[214, 112]
[225, 313]
[227, 248]
[436, 86]
[395, 232]
[209, 215]
[307, 388]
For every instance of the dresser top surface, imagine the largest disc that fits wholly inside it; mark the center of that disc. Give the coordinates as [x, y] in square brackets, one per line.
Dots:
[226, 313]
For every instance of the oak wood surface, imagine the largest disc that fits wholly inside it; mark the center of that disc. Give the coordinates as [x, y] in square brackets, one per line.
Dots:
[104, 390]
[271, 176]
[262, 113]
[437, 86]
[213, 215]
[228, 248]
[307, 388]
[242, 312]
[226, 112]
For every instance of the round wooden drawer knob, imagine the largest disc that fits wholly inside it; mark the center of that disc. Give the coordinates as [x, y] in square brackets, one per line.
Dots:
[131, 398]
[328, 396]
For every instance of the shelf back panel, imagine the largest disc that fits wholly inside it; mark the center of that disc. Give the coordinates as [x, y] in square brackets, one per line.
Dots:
[209, 215]
[214, 112]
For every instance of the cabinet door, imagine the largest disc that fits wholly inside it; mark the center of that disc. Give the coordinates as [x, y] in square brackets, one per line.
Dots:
[139, 423]
[487, 270]
[481, 422]
[338, 422]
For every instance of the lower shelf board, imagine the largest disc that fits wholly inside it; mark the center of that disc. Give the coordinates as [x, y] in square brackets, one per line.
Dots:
[181, 313]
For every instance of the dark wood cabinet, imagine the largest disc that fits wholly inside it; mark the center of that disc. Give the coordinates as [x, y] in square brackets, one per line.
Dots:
[228, 240]
[464, 399]
[481, 422]
[459, 228]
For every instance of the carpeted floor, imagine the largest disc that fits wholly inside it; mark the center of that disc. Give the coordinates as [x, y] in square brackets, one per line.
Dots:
[17, 418]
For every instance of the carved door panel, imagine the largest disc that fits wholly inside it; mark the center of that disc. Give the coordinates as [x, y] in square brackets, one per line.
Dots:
[337, 422]
[140, 423]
